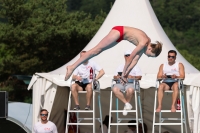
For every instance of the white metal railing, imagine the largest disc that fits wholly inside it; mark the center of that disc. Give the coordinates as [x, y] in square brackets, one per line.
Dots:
[182, 112]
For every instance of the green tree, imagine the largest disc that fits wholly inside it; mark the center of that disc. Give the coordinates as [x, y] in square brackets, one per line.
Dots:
[94, 7]
[41, 35]
[17, 90]
[180, 20]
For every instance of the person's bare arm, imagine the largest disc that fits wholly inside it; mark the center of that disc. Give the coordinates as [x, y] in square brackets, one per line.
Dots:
[160, 72]
[133, 63]
[181, 72]
[116, 77]
[76, 77]
[134, 57]
[100, 74]
[135, 77]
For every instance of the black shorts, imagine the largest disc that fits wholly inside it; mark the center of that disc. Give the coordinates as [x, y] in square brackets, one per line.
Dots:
[81, 84]
[169, 84]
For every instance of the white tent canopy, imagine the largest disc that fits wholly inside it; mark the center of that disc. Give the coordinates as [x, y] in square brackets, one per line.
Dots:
[129, 13]
[133, 13]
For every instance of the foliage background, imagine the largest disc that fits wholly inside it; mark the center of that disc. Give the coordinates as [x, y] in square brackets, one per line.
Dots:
[42, 35]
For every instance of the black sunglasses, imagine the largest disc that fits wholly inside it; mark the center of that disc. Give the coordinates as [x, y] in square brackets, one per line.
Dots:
[127, 55]
[171, 56]
[44, 114]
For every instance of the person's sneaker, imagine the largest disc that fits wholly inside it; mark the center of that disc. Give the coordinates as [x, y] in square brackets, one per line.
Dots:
[87, 107]
[77, 107]
[127, 106]
[124, 112]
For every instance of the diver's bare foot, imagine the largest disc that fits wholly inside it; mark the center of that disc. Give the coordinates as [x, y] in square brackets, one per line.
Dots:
[158, 109]
[69, 72]
[173, 109]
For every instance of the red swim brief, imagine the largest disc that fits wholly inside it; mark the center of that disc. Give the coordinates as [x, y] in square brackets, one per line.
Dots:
[121, 31]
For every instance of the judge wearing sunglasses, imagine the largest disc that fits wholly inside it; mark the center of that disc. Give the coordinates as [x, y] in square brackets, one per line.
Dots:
[169, 72]
[44, 126]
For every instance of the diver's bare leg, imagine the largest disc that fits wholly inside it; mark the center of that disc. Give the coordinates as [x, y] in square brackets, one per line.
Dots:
[106, 43]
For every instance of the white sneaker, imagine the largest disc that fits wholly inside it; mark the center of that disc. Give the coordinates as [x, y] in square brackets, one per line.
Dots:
[127, 106]
[124, 112]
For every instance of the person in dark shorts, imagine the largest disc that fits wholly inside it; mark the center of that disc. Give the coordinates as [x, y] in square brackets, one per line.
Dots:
[169, 72]
[83, 77]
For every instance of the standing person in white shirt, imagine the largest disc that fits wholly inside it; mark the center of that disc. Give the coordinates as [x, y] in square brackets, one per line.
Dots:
[135, 73]
[83, 76]
[44, 126]
[169, 71]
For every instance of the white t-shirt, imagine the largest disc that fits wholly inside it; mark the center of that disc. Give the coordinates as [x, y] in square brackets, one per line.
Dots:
[49, 127]
[84, 71]
[170, 70]
[136, 71]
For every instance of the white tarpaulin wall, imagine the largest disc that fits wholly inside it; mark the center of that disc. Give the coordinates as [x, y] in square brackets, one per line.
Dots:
[133, 13]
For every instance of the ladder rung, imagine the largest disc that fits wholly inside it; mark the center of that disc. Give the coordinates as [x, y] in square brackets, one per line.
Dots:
[122, 124]
[83, 111]
[168, 91]
[123, 110]
[127, 119]
[87, 118]
[167, 123]
[82, 91]
[171, 118]
[80, 123]
[177, 111]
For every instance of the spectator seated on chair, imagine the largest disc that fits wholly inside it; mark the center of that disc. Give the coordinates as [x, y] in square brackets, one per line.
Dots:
[83, 77]
[169, 72]
[135, 73]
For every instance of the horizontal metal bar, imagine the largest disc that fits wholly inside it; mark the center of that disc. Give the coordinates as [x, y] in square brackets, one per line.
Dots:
[177, 111]
[123, 111]
[83, 111]
[80, 123]
[87, 118]
[82, 91]
[168, 91]
[167, 123]
[171, 118]
[86, 91]
[126, 119]
[123, 123]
